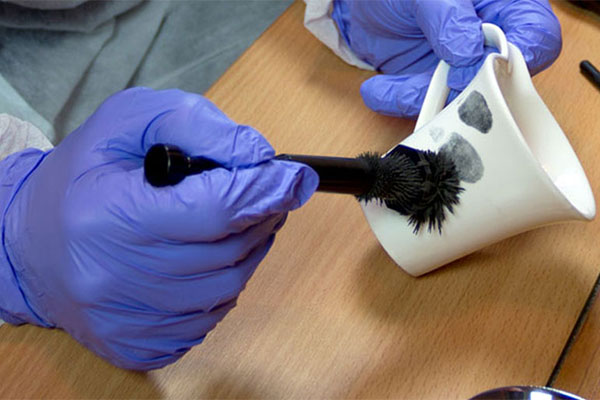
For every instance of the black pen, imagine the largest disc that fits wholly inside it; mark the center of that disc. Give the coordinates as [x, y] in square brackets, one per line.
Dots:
[590, 72]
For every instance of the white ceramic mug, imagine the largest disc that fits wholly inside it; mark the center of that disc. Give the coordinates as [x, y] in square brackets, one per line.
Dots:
[516, 166]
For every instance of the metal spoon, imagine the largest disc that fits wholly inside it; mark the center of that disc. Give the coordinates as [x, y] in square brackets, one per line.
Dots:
[526, 393]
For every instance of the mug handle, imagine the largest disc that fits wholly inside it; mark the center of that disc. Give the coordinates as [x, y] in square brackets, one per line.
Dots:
[437, 93]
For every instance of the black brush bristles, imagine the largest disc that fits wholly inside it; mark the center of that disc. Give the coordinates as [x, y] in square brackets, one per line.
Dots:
[395, 178]
[421, 186]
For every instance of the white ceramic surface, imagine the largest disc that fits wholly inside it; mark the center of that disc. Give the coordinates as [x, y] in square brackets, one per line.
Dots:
[518, 174]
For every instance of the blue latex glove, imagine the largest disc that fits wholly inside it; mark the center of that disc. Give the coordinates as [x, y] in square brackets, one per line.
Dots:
[406, 39]
[136, 273]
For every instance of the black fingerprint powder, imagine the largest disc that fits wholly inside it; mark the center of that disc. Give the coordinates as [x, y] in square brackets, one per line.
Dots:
[466, 159]
[475, 112]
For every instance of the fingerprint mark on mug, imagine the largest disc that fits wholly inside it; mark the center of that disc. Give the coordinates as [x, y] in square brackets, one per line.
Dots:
[475, 112]
[465, 157]
[436, 133]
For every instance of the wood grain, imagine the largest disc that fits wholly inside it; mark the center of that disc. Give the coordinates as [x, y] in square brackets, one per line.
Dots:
[580, 371]
[328, 314]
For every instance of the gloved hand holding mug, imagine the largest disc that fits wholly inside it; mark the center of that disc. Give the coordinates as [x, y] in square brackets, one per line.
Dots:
[405, 39]
[140, 274]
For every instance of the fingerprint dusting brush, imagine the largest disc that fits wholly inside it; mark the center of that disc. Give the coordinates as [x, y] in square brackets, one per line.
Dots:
[421, 185]
[439, 189]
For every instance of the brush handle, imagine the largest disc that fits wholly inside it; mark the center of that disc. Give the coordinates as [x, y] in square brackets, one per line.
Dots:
[336, 174]
[592, 5]
[166, 165]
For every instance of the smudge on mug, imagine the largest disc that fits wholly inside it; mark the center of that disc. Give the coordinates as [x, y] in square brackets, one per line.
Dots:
[465, 157]
[475, 112]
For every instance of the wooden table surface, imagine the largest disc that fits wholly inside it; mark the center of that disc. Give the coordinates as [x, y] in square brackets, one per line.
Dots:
[328, 314]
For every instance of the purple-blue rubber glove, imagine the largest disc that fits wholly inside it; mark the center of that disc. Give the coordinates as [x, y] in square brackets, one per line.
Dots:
[140, 274]
[405, 39]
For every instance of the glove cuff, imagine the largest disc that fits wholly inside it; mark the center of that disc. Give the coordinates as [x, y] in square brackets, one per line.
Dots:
[15, 307]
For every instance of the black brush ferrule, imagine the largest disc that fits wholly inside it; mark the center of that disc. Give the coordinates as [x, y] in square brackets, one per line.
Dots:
[337, 174]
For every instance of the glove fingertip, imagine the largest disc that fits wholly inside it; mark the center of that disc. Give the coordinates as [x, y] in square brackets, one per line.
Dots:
[459, 78]
[249, 148]
[453, 30]
[462, 45]
[396, 96]
[297, 183]
[302, 185]
[452, 95]
[534, 28]
[540, 56]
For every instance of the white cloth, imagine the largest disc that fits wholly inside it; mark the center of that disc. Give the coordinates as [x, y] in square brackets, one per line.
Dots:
[16, 135]
[317, 19]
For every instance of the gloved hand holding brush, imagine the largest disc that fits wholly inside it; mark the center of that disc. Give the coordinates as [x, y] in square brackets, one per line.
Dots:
[406, 39]
[136, 273]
